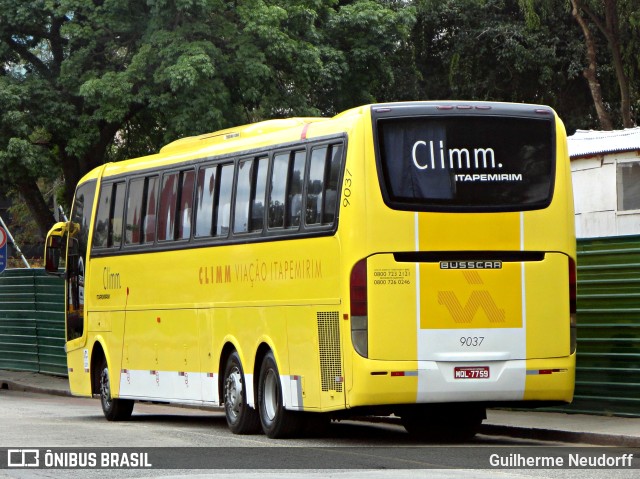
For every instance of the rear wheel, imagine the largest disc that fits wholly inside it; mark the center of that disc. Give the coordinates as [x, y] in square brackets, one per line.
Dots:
[113, 409]
[241, 419]
[276, 421]
[443, 422]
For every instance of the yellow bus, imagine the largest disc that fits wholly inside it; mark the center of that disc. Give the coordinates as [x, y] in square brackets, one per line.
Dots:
[415, 259]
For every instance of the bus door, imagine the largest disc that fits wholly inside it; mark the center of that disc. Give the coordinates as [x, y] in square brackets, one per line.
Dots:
[77, 244]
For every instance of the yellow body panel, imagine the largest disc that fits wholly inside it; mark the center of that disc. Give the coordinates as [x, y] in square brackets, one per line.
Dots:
[177, 312]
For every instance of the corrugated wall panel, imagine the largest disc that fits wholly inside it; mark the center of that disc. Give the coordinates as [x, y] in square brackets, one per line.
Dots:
[608, 359]
[18, 329]
[32, 321]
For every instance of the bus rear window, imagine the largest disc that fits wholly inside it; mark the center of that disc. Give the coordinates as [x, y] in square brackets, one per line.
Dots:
[466, 163]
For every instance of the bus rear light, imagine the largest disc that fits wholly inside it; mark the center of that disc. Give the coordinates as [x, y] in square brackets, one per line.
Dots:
[573, 305]
[358, 287]
[359, 319]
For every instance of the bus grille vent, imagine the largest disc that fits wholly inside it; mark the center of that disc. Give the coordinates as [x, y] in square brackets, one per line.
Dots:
[329, 342]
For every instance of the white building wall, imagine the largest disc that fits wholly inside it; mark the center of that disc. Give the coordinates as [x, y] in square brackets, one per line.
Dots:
[596, 197]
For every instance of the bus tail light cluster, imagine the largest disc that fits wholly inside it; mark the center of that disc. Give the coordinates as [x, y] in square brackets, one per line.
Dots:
[572, 305]
[359, 308]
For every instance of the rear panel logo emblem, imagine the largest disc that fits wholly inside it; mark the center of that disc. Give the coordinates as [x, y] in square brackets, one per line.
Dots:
[471, 264]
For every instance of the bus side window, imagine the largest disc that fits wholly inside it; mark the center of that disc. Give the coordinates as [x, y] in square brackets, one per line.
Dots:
[167, 209]
[278, 190]
[331, 192]
[223, 204]
[150, 213]
[258, 191]
[101, 233]
[294, 189]
[315, 186]
[186, 204]
[205, 196]
[133, 223]
[117, 216]
[243, 195]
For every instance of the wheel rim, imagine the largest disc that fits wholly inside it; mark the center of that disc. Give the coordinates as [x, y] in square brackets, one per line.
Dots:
[270, 399]
[233, 393]
[105, 390]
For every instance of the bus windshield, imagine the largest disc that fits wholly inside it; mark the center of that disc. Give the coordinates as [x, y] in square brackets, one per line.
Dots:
[466, 163]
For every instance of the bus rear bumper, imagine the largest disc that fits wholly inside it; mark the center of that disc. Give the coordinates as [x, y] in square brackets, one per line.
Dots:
[415, 382]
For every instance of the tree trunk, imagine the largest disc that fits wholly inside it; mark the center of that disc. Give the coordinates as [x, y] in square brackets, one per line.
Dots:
[590, 73]
[32, 196]
[613, 38]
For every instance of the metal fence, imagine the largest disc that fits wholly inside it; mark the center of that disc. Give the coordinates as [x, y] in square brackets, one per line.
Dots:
[32, 322]
[608, 359]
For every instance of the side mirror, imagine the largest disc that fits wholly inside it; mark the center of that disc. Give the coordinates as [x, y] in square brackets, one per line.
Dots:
[54, 249]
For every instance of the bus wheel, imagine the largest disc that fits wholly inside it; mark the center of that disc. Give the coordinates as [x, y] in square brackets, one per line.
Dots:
[276, 421]
[240, 417]
[113, 409]
[449, 424]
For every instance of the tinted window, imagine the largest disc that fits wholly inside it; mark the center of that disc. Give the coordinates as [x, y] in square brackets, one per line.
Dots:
[109, 218]
[133, 224]
[77, 255]
[261, 166]
[467, 162]
[167, 209]
[331, 191]
[151, 214]
[186, 204]
[223, 208]
[315, 186]
[205, 195]
[278, 189]
[294, 195]
[243, 194]
[117, 222]
[101, 232]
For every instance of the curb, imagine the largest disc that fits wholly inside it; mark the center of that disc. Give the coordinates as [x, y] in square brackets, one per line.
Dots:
[538, 434]
[591, 438]
[16, 386]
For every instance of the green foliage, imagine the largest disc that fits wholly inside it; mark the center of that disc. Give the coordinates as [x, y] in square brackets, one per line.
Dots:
[82, 83]
[523, 51]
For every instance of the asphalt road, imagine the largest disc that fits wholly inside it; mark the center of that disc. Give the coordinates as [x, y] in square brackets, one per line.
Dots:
[346, 449]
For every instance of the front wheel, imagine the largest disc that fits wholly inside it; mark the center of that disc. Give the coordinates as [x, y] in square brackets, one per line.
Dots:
[241, 419]
[113, 409]
[276, 421]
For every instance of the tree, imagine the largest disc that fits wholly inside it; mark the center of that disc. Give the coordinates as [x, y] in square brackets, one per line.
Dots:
[85, 82]
[604, 16]
[501, 50]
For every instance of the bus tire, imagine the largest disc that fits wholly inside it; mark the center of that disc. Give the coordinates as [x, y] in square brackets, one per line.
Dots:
[241, 419]
[276, 421]
[449, 424]
[113, 409]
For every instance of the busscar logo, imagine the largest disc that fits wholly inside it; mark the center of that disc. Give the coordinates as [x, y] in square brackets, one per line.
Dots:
[23, 458]
[470, 264]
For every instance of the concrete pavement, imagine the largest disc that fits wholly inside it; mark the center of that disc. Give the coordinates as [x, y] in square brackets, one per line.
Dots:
[572, 428]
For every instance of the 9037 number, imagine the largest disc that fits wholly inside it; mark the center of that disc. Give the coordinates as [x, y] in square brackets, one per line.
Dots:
[470, 341]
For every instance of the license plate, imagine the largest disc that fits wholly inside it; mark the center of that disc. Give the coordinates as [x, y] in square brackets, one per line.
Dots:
[471, 372]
